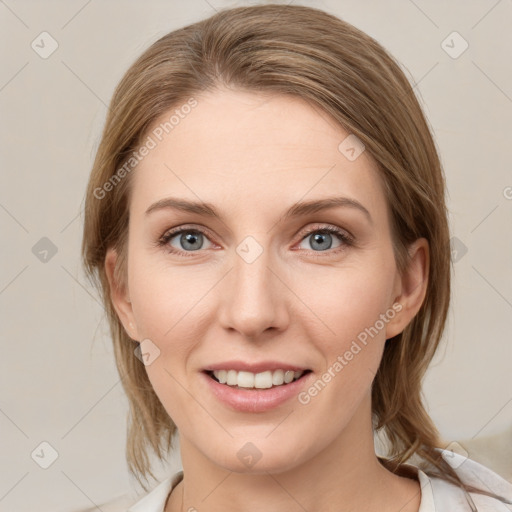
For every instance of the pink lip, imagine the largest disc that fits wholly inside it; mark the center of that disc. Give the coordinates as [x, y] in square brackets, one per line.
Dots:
[262, 366]
[255, 400]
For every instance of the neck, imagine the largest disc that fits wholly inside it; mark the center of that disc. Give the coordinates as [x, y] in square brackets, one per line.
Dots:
[345, 475]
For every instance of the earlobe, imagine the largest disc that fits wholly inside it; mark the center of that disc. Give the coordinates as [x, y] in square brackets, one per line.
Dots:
[119, 294]
[413, 287]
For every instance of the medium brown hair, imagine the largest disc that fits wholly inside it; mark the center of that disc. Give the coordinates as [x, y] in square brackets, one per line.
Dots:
[307, 53]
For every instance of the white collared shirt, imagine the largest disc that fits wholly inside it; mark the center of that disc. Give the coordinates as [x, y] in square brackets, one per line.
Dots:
[437, 495]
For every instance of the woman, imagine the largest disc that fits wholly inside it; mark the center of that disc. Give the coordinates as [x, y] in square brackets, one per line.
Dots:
[267, 223]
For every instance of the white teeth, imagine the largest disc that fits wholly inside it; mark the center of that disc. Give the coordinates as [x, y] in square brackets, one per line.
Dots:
[245, 379]
[222, 376]
[262, 380]
[278, 377]
[231, 379]
[288, 376]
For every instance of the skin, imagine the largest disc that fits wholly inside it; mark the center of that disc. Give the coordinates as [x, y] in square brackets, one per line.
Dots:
[253, 156]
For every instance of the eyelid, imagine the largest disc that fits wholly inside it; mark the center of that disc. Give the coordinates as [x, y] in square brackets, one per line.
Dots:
[330, 228]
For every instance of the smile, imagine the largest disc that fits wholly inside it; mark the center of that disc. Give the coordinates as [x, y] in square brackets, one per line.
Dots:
[262, 380]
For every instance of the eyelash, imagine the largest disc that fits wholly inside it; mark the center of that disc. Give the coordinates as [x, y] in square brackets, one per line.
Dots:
[346, 239]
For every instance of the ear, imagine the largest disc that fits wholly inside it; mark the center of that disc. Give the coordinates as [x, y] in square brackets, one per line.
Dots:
[410, 287]
[119, 294]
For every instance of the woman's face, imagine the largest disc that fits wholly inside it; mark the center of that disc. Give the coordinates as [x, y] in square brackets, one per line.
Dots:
[235, 264]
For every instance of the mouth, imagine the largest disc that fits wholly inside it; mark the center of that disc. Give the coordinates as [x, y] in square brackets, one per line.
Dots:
[268, 379]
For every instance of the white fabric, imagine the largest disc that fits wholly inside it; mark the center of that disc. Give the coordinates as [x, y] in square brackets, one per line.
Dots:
[437, 495]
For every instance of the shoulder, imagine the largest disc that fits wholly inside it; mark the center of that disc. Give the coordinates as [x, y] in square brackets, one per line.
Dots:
[448, 497]
[119, 504]
[441, 496]
[154, 501]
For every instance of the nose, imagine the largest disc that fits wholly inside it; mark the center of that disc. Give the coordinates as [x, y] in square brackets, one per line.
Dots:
[254, 297]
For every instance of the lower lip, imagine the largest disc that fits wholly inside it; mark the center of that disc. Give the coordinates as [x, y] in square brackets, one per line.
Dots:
[255, 400]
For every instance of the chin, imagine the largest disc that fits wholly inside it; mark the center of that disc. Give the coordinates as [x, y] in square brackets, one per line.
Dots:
[259, 455]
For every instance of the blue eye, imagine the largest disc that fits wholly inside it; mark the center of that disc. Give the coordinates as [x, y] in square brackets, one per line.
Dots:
[322, 239]
[187, 241]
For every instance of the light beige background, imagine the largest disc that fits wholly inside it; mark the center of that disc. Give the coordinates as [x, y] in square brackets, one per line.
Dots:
[58, 380]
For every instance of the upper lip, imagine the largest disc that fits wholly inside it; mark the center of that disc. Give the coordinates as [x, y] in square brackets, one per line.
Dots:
[254, 367]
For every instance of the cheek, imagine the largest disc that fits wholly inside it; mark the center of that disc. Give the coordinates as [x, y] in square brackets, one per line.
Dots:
[348, 327]
[162, 297]
[170, 309]
[347, 304]
[166, 303]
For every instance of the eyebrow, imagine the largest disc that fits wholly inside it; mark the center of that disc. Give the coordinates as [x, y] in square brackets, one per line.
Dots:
[298, 209]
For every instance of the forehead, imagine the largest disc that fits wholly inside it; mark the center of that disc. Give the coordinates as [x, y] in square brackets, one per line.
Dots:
[250, 147]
